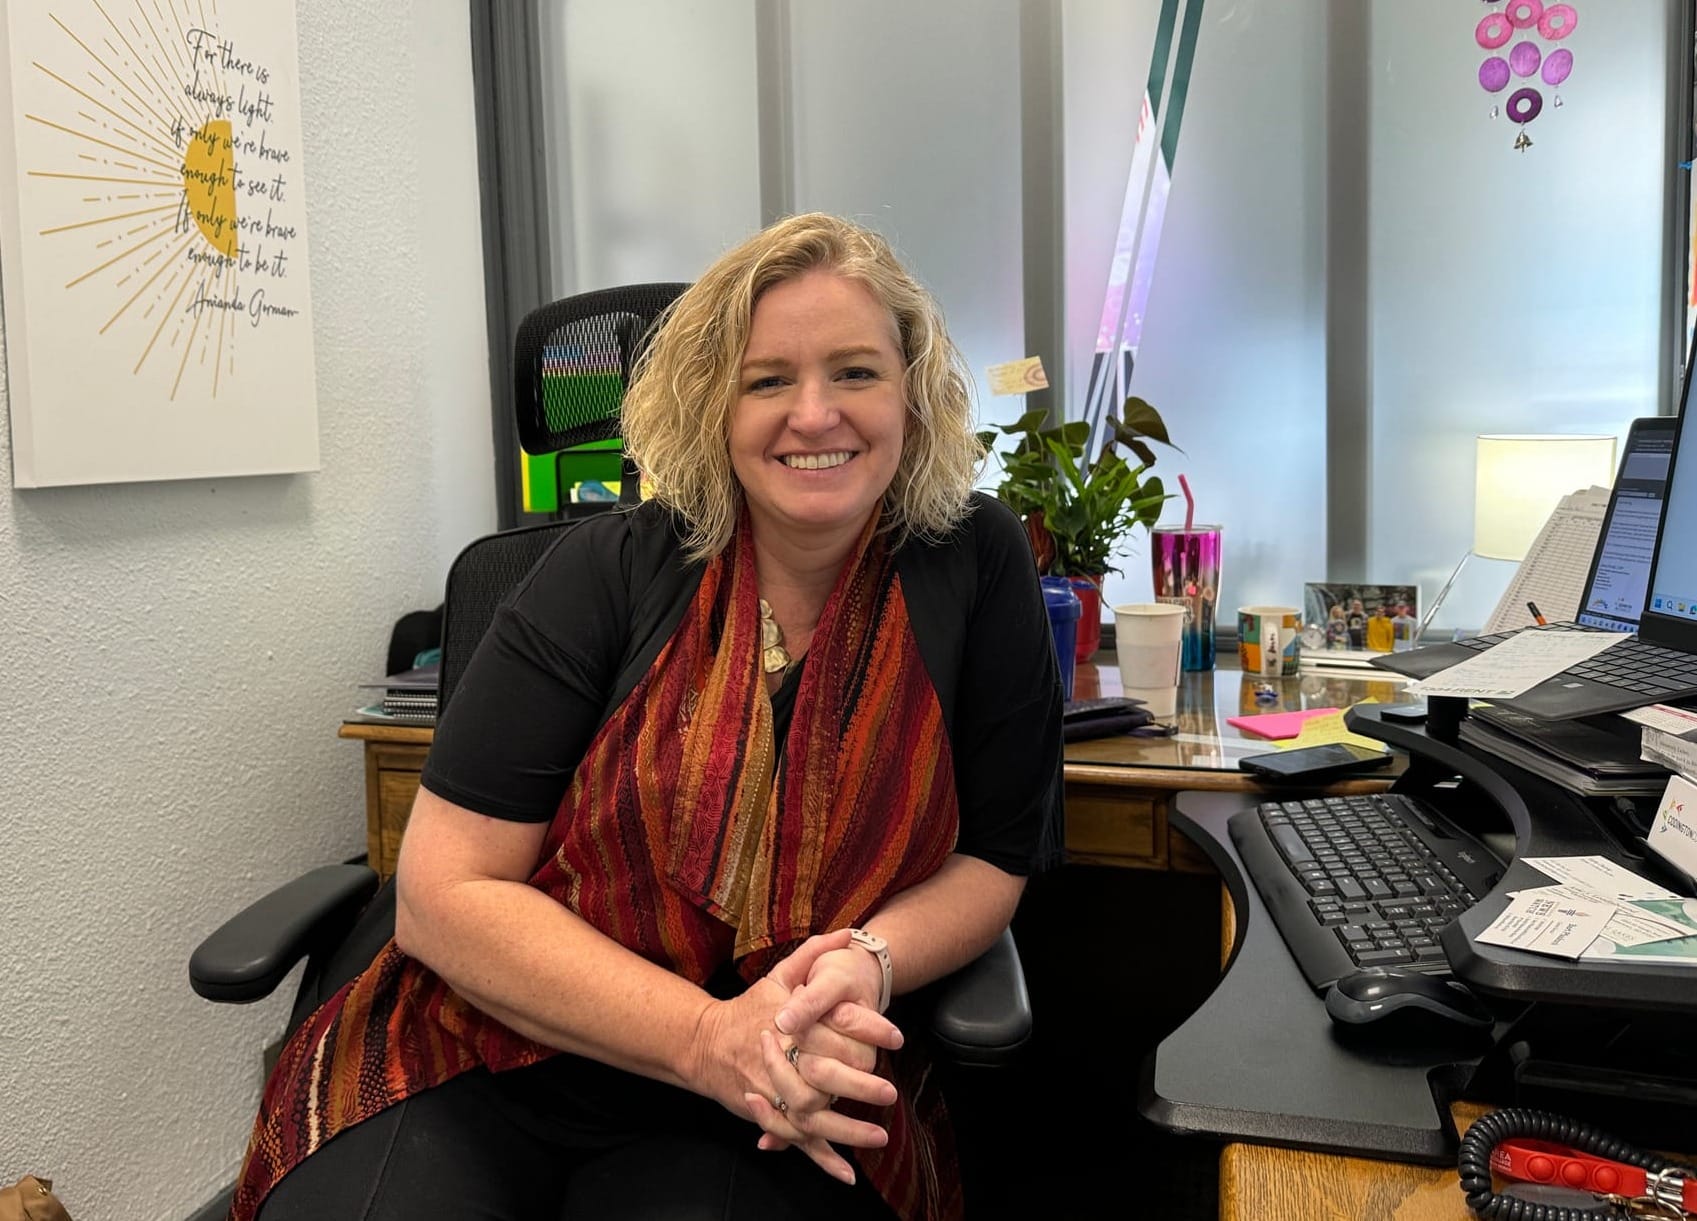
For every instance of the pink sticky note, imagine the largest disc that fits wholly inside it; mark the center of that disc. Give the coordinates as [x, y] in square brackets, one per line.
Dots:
[1276, 726]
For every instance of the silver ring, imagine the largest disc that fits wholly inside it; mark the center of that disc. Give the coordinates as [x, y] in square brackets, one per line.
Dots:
[792, 1053]
[778, 1101]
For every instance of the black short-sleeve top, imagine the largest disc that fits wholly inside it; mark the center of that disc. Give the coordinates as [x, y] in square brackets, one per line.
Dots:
[577, 634]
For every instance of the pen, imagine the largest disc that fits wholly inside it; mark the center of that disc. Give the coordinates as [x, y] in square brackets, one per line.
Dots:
[1536, 614]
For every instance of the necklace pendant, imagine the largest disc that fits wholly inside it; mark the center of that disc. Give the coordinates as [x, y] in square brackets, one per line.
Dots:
[774, 659]
[773, 655]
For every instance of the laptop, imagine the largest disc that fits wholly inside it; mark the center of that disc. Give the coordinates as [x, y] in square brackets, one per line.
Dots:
[1643, 579]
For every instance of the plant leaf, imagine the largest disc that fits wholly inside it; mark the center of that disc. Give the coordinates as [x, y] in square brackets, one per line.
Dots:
[1139, 419]
[1144, 454]
[1031, 421]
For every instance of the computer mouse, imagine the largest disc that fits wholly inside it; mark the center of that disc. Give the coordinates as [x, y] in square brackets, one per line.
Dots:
[1404, 1003]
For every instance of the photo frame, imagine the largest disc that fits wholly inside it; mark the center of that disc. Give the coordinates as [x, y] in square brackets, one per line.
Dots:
[1352, 616]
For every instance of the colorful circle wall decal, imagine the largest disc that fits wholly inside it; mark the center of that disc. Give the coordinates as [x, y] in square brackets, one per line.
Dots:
[1524, 14]
[1493, 31]
[1558, 22]
[1529, 59]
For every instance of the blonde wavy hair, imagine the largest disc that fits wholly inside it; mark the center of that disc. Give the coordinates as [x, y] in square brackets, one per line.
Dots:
[677, 412]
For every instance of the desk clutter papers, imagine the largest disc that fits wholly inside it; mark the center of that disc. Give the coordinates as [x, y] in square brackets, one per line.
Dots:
[1553, 573]
[1327, 728]
[1673, 833]
[409, 698]
[1277, 725]
[1669, 737]
[1302, 728]
[1597, 910]
[1515, 666]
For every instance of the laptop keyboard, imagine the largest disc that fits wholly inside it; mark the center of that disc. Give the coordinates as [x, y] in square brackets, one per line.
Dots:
[1361, 881]
[1644, 669]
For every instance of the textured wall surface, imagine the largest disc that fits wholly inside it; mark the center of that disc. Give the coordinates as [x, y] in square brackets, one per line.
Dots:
[175, 657]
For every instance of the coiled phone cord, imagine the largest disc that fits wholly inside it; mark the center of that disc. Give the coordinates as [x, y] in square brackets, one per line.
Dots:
[1473, 1162]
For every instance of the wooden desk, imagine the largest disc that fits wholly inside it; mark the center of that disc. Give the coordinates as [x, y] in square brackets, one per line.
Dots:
[1119, 790]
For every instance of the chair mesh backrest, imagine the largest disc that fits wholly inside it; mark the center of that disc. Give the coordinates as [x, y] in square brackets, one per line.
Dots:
[573, 359]
[482, 575]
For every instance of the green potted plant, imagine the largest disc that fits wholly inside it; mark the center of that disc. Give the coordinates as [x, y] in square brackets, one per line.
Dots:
[1079, 512]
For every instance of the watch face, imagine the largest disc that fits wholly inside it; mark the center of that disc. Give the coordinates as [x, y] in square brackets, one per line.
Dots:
[1313, 636]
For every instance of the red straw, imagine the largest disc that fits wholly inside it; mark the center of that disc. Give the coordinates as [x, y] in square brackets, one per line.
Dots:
[1189, 503]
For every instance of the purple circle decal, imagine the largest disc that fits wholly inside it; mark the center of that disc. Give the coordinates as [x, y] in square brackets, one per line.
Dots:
[1525, 58]
[1558, 66]
[1493, 74]
[1493, 30]
[1524, 106]
[1525, 13]
[1558, 22]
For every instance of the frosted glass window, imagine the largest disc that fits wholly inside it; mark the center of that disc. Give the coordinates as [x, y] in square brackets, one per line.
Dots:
[1233, 346]
[906, 117]
[1512, 291]
[650, 135]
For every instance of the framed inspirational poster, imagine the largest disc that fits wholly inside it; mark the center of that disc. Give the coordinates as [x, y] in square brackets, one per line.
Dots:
[153, 252]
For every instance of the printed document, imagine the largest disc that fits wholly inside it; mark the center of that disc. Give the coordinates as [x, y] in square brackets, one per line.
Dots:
[1516, 665]
[1600, 876]
[1553, 573]
[1548, 924]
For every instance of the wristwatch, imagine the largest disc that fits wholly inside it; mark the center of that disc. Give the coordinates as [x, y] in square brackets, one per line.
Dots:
[879, 949]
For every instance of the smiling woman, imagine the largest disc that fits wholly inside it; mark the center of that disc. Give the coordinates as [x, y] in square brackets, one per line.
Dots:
[729, 772]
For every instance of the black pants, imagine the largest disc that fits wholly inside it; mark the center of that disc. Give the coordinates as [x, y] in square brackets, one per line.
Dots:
[565, 1140]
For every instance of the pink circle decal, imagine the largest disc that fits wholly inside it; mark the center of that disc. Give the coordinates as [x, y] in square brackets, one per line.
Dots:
[1525, 58]
[1525, 13]
[1558, 21]
[1558, 66]
[1493, 31]
[1524, 106]
[1493, 74]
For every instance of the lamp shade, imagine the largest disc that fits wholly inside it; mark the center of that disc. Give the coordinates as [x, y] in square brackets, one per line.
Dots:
[1519, 480]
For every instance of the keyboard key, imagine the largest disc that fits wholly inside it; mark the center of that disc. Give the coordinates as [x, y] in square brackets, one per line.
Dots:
[1354, 933]
[1290, 845]
[1428, 953]
[1377, 888]
[1383, 958]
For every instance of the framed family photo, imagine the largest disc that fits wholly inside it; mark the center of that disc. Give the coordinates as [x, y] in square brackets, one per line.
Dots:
[1354, 616]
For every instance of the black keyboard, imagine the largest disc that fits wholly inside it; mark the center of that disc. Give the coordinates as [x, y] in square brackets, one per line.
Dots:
[1363, 881]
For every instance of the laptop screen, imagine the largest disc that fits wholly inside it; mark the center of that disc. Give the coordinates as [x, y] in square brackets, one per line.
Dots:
[1620, 569]
[1671, 616]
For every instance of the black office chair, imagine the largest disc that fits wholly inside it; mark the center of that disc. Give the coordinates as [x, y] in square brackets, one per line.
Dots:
[572, 360]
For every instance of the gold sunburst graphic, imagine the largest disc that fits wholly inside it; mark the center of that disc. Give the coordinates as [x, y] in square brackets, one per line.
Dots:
[151, 171]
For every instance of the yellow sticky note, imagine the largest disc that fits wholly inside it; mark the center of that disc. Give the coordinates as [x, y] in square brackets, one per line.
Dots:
[1320, 730]
[1018, 376]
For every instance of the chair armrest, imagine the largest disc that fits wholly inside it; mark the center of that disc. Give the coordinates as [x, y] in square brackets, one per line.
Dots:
[248, 956]
[982, 1013]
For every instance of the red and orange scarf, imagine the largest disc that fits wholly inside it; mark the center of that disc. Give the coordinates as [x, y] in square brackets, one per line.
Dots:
[677, 840]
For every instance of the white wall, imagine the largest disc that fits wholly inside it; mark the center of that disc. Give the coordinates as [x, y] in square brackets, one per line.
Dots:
[176, 656]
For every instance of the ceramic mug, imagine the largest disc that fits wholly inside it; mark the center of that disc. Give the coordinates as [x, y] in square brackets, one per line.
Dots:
[1269, 640]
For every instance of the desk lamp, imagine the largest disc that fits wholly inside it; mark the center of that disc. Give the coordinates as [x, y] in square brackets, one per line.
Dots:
[1518, 480]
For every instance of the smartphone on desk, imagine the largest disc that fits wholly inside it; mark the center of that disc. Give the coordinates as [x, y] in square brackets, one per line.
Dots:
[1313, 763]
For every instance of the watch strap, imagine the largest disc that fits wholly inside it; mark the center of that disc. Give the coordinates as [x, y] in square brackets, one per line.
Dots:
[879, 949]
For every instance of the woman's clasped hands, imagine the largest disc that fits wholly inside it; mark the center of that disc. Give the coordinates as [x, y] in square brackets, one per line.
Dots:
[799, 1039]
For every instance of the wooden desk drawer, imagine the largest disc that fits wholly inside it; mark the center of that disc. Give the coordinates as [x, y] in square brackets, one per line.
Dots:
[1111, 825]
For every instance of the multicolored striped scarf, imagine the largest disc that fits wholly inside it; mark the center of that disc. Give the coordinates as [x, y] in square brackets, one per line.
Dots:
[679, 839]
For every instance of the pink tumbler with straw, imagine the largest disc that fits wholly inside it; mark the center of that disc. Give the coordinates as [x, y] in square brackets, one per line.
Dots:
[1185, 565]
